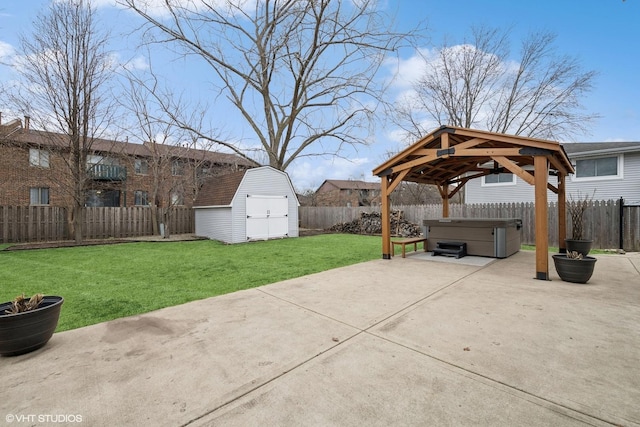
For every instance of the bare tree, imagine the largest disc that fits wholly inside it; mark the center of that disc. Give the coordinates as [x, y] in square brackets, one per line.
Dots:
[177, 160]
[476, 84]
[65, 69]
[412, 193]
[299, 73]
[140, 103]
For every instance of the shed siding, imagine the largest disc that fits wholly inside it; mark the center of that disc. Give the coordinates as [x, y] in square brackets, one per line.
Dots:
[262, 182]
[214, 223]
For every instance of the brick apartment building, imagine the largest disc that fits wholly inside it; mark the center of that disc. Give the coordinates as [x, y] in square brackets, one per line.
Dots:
[34, 170]
[350, 193]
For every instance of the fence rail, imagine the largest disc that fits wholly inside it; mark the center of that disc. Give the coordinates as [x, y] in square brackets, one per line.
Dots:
[602, 219]
[21, 224]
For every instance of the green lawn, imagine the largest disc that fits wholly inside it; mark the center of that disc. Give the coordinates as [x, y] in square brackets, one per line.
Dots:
[101, 283]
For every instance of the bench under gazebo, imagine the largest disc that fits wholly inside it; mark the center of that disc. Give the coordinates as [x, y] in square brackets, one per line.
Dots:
[451, 156]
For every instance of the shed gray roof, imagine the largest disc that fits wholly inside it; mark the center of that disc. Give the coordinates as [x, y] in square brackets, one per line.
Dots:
[219, 190]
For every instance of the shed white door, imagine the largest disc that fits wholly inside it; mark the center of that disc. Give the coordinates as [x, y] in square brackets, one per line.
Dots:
[267, 217]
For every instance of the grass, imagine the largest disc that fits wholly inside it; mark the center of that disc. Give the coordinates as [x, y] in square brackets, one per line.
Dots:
[101, 283]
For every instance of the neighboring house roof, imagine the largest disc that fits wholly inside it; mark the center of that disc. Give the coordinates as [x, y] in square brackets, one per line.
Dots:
[347, 184]
[14, 132]
[578, 149]
[219, 190]
[198, 154]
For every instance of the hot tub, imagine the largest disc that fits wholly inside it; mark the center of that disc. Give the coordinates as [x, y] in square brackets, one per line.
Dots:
[490, 237]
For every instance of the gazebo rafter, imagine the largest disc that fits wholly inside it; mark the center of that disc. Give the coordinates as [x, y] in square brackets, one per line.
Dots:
[451, 156]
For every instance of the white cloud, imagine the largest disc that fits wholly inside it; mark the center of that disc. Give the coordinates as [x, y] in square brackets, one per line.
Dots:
[158, 8]
[405, 72]
[137, 63]
[6, 51]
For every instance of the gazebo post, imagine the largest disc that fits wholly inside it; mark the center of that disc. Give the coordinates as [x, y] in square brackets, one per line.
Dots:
[541, 168]
[445, 201]
[562, 214]
[385, 217]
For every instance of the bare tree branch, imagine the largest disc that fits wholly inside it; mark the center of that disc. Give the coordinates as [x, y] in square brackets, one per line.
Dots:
[477, 85]
[297, 72]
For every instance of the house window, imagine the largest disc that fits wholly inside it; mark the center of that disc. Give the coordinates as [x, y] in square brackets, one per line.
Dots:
[499, 179]
[177, 199]
[102, 198]
[176, 168]
[39, 196]
[141, 166]
[203, 171]
[38, 158]
[141, 198]
[598, 168]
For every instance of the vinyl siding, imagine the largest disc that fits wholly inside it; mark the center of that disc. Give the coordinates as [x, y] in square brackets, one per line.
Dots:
[476, 192]
[627, 186]
[214, 223]
[262, 182]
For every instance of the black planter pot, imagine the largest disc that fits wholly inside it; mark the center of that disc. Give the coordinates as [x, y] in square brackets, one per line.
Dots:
[581, 246]
[24, 332]
[574, 270]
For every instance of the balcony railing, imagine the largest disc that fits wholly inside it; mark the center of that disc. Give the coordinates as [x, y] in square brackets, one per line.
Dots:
[107, 172]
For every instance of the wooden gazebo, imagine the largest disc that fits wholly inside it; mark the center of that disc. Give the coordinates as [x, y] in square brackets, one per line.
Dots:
[450, 156]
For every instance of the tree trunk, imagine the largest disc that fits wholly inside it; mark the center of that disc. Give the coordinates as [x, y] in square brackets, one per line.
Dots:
[154, 220]
[77, 223]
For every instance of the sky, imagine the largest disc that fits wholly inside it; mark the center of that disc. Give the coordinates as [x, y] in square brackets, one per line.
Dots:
[603, 34]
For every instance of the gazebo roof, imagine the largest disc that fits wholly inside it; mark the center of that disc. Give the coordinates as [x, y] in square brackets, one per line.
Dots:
[448, 153]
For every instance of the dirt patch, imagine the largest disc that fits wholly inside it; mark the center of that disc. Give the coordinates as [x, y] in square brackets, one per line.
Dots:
[304, 232]
[65, 244]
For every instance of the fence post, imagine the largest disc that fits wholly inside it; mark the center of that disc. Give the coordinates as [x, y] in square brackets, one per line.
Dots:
[621, 225]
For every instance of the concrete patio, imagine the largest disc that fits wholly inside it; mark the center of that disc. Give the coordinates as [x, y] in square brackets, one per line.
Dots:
[402, 342]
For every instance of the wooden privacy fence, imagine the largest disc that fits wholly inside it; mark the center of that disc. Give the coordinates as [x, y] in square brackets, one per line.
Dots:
[20, 224]
[602, 219]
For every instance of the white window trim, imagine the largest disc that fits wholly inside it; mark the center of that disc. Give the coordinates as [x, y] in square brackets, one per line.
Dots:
[619, 176]
[498, 184]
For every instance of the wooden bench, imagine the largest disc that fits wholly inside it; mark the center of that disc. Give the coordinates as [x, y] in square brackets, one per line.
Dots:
[404, 242]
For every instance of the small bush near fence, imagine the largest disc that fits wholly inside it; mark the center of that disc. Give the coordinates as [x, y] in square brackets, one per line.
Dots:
[602, 219]
[20, 224]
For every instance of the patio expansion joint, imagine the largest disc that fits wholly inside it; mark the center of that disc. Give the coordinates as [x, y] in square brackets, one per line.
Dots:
[459, 370]
[505, 387]
[358, 331]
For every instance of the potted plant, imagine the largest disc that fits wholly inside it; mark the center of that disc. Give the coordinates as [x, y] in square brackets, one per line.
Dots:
[27, 324]
[574, 267]
[577, 242]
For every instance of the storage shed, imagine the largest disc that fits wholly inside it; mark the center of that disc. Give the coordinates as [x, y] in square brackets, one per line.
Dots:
[254, 204]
